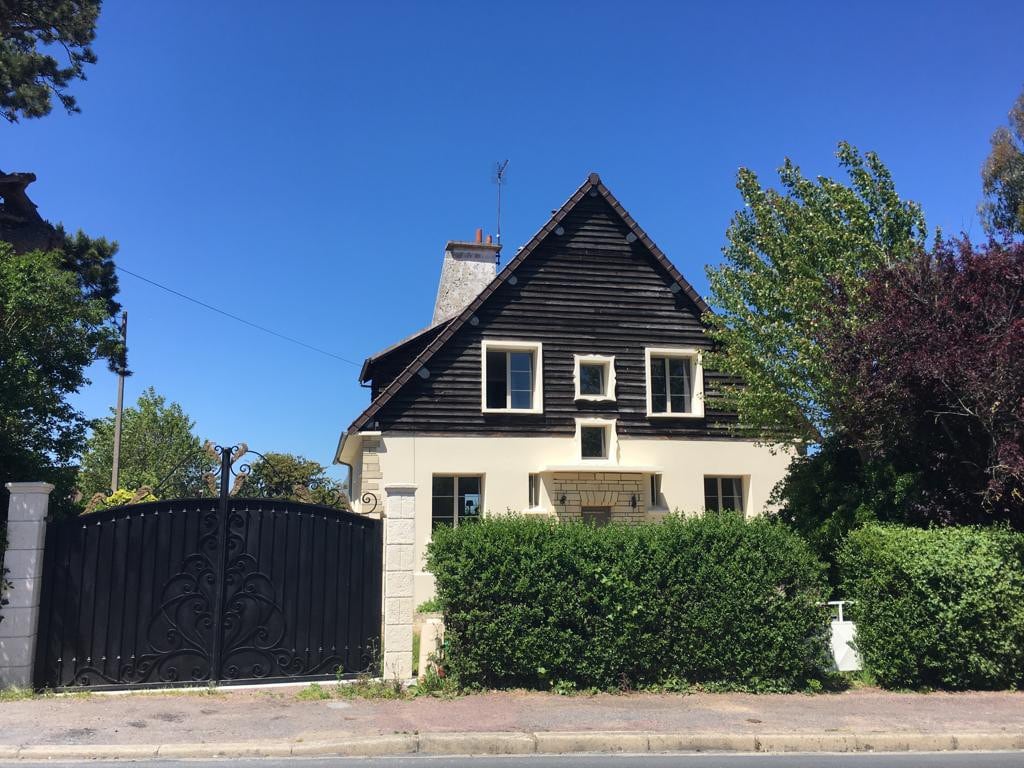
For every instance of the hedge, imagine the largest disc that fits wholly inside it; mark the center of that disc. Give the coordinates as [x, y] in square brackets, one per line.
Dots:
[714, 601]
[939, 608]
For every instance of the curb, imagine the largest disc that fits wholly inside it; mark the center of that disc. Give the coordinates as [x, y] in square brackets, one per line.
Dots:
[540, 742]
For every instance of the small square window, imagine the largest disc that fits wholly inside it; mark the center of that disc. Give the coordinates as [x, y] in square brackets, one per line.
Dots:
[595, 377]
[593, 442]
[591, 379]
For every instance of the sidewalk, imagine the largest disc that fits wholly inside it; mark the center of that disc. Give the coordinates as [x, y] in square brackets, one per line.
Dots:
[273, 722]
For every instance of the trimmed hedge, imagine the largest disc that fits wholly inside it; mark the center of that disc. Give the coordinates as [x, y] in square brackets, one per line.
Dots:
[938, 608]
[713, 600]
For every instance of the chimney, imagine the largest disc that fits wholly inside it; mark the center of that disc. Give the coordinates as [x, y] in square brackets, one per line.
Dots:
[466, 270]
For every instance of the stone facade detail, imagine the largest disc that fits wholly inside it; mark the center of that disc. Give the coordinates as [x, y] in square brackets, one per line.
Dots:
[370, 476]
[26, 531]
[399, 547]
[615, 490]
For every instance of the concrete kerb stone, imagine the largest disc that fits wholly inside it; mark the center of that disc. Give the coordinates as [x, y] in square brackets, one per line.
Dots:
[560, 742]
[359, 746]
[546, 742]
[503, 743]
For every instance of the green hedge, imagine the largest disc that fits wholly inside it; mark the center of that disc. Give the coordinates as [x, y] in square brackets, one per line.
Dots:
[939, 608]
[714, 600]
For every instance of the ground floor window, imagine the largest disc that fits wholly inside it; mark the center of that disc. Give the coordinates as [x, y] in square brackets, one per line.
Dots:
[456, 499]
[534, 499]
[597, 515]
[655, 490]
[722, 493]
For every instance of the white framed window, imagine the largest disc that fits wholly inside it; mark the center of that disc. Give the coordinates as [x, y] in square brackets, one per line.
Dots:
[675, 382]
[511, 377]
[594, 376]
[596, 440]
[655, 491]
[456, 499]
[533, 497]
[722, 493]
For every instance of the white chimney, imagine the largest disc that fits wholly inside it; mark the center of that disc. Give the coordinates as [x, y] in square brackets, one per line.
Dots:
[467, 269]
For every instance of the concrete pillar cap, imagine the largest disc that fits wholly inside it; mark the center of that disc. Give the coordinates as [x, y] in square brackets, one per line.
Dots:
[37, 487]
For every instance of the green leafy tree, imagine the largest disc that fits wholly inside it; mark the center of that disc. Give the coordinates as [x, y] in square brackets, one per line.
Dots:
[50, 332]
[288, 476]
[1002, 175]
[789, 253]
[31, 32]
[159, 450]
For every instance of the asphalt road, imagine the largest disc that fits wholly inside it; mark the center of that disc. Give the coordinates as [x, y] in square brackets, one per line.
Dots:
[859, 760]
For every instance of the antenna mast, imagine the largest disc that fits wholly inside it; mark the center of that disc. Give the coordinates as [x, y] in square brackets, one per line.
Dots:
[499, 179]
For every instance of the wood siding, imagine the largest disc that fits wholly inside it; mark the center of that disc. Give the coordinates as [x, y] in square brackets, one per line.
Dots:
[587, 291]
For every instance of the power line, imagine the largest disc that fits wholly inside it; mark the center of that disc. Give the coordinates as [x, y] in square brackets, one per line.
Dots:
[242, 320]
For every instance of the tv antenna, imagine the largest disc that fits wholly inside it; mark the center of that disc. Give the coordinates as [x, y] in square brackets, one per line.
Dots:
[499, 179]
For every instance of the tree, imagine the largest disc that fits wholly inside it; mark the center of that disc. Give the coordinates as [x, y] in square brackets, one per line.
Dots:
[789, 253]
[288, 476]
[50, 332]
[938, 381]
[831, 491]
[159, 450]
[31, 31]
[1002, 176]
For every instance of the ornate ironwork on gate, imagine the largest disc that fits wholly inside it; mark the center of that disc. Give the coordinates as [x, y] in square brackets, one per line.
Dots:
[222, 589]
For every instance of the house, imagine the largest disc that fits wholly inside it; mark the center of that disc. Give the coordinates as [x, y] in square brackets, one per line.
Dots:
[569, 384]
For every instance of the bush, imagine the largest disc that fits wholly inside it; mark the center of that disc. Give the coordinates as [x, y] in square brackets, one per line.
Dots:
[714, 601]
[939, 608]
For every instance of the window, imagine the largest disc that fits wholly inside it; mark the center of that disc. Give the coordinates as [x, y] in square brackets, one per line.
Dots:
[596, 439]
[511, 377]
[595, 377]
[722, 493]
[656, 490]
[597, 516]
[534, 491]
[675, 386]
[456, 499]
[592, 443]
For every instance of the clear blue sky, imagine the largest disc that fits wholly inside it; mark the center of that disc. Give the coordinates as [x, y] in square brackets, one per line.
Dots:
[302, 164]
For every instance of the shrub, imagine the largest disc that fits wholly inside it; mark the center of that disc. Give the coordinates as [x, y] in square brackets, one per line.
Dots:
[715, 601]
[938, 608]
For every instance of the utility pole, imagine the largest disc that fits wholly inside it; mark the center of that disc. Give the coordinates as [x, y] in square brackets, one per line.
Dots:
[115, 464]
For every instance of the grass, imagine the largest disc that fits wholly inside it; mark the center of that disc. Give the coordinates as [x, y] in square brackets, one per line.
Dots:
[19, 694]
[416, 654]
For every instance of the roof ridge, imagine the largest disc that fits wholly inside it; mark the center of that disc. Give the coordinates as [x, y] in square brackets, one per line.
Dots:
[592, 182]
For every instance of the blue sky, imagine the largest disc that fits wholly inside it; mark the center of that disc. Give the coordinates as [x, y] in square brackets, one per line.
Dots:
[304, 169]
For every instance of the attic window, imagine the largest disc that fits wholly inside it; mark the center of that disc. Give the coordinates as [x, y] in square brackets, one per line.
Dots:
[511, 377]
[675, 383]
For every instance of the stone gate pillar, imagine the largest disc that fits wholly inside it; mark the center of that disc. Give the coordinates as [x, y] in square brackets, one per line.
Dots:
[26, 530]
[399, 556]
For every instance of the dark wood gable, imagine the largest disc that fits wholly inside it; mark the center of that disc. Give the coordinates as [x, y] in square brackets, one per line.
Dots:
[589, 286]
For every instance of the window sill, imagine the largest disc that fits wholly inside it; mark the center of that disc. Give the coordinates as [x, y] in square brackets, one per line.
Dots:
[524, 411]
[595, 398]
[651, 415]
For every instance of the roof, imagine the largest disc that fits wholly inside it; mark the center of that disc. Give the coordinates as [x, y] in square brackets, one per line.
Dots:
[593, 182]
[369, 362]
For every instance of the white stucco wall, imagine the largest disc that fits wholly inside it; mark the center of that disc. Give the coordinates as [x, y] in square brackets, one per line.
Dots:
[505, 463]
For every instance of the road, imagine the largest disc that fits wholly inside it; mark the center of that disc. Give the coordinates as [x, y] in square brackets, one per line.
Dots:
[824, 760]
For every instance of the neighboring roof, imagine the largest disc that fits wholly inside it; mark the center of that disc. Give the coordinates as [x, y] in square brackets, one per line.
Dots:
[369, 362]
[593, 182]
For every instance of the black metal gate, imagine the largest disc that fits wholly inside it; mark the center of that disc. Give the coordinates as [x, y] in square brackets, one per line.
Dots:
[209, 590]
